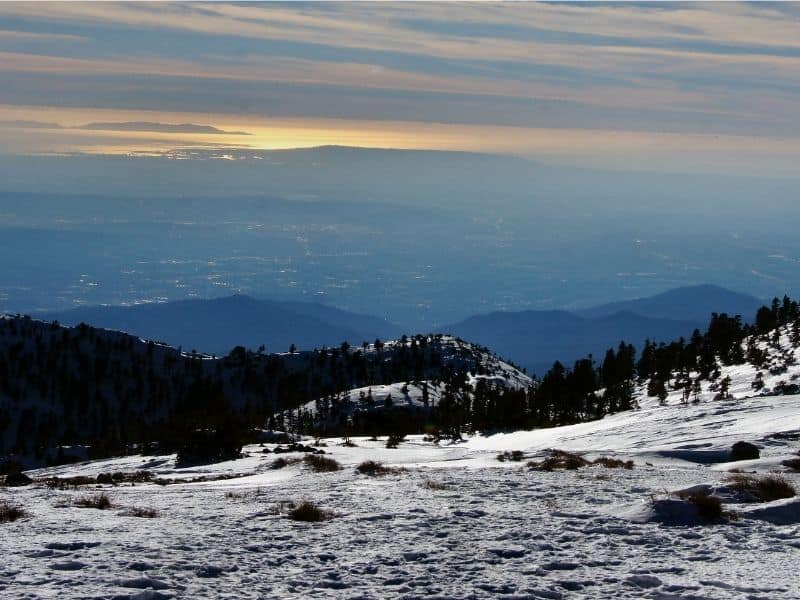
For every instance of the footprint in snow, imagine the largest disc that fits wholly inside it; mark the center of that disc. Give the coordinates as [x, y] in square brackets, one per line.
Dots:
[511, 551]
[69, 565]
[644, 581]
[71, 545]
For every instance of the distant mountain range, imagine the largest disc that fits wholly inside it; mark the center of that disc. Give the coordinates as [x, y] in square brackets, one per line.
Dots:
[694, 303]
[532, 339]
[216, 326]
[535, 339]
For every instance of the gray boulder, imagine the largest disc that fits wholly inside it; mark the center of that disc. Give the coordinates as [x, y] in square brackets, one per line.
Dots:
[744, 451]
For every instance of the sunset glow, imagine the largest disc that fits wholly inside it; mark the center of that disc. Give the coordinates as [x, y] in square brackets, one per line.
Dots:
[630, 86]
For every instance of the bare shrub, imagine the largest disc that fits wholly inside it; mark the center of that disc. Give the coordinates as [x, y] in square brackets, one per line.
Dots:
[65, 483]
[282, 462]
[766, 487]
[120, 477]
[309, 512]
[708, 507]
[514, 456]
[321, 464]
[613, 463]
[394, 440]
[374, 468]
[99, 501]
[559, 459]
[11, 512]
[199, 479]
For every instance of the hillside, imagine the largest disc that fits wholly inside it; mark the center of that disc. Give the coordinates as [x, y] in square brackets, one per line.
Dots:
[82, 385]
[536, 339]
[62, 386]
[218, 325]
[489, 385]
[626, 519]
[690, 303]
[490, 528]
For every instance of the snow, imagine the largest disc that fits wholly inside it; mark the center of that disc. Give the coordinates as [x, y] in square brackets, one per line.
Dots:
[495, 373]
[488, 529]
[780, 512]
[683, 432]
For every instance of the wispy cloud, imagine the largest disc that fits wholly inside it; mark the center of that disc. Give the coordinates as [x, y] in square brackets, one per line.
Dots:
[16, 35]
[663, 70]
[146, 126]
[28, 124]
[160, 127]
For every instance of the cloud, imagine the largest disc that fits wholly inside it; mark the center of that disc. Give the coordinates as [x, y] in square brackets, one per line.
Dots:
[14, 35]
[27, 124]
[150, 126]
[160, 127]
[660, 69]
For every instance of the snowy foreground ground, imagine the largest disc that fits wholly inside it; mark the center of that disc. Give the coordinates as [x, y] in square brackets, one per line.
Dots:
[497, 529]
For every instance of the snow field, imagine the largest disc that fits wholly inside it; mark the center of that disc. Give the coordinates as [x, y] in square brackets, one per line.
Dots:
[487, 529]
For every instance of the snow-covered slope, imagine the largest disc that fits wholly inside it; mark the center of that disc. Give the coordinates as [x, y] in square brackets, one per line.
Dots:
[779, 373]
[453, 523]
[694, 432]
[67, 386]
[480, 366]
[449, 520]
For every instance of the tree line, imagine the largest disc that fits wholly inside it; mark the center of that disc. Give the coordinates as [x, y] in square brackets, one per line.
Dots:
[116, 393]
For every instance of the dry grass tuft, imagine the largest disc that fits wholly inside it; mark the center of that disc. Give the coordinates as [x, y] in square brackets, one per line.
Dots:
[98, 501]
[320, 464]
[141, 512]
[394, 440]
[765, 487]
[708, 507]
[559, 459]
[613, 463]
[121, 477]
[309, 512]
[282, 462]
[514, 456]
[11, 512]
[375, 468]
[65, 483]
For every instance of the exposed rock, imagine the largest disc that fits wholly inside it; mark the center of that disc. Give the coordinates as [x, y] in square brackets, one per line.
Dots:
[296, 448]
[744, 451]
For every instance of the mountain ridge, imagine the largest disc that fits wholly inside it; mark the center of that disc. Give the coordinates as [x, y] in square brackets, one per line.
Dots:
[693, 303]
[219, 324]
[533, 339]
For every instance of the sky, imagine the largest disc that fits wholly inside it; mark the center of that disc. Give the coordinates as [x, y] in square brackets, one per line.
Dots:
[667, 87]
